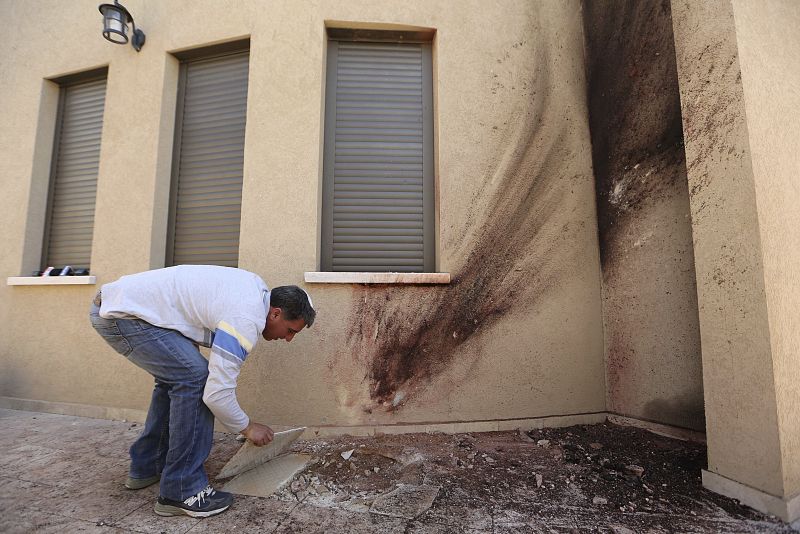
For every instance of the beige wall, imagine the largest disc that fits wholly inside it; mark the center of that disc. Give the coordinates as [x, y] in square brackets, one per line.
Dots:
[768, 38]
[738, 73]
[517, 334]
[652, 333]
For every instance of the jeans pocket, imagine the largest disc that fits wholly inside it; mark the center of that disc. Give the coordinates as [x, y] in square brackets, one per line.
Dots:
[109, 331]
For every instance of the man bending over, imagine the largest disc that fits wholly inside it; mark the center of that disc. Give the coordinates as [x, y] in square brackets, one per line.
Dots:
[157, 319]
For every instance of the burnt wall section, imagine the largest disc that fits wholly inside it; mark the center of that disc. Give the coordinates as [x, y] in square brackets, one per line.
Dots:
[524, 252]
[652, 336]
[518, 332]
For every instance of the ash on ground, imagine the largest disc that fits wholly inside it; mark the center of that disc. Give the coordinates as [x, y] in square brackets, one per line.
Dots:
[604, 477]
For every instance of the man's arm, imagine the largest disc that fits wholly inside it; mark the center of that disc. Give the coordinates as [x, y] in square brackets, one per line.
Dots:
[220, 392]
[233, 340]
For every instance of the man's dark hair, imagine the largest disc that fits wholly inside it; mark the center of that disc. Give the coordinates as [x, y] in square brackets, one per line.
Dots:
[294, 303]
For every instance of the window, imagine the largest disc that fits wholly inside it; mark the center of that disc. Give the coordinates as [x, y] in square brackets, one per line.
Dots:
[206, 197]
[73, 177]
[378, 193]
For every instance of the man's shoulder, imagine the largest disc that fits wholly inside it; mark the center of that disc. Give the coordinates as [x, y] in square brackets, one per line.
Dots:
[218, 274]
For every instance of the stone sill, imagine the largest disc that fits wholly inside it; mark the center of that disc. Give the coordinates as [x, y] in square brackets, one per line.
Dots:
[376, 278]
[50, 280]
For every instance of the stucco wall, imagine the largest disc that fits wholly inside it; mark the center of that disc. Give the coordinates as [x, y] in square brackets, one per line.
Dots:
[517, 334]
[739, 376]
[652, 335]
[769, 55]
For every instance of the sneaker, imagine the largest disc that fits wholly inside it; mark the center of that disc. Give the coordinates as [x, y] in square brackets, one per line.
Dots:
[141, 483]
[206, 503]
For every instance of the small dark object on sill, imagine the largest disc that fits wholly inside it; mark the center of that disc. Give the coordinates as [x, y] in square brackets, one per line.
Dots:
[58, 271]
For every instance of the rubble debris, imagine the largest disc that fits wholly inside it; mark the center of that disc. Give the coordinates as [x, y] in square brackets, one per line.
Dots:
[525, 481]
[405, 456]
[620, 529]
[407, 501]
[347, 454]
[297, 485]
[635, 470]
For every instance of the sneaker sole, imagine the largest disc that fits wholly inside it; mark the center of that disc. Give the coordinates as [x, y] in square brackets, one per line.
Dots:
[168, 511]
[141, 483]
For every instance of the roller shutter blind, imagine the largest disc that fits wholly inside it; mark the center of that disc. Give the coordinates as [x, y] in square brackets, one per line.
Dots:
[378, 158]
[73, 187]
[207, 168]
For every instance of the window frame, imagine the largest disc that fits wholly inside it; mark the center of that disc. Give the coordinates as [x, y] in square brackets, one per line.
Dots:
[63, 83]
[187, 57]
[423, 37]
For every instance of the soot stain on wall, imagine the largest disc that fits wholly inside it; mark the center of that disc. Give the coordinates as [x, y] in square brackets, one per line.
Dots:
[642, 194]
[405, 336]
[634, 110]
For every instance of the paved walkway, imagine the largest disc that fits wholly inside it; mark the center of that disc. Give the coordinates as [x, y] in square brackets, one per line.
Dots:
[65, 474]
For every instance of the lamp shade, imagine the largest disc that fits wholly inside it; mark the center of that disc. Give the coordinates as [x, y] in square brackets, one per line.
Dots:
[115, 23]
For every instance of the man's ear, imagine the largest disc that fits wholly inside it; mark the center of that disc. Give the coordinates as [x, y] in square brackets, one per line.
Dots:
[274, 313]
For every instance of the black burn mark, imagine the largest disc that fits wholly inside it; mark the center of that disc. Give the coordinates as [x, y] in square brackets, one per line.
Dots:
[678, 411]
[408, 335]
[641, 192]
[634, 110]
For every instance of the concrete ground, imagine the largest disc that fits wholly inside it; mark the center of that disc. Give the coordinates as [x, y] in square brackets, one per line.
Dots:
[65, 474]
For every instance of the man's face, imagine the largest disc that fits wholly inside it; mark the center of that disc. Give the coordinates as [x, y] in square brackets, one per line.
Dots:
[279, 328]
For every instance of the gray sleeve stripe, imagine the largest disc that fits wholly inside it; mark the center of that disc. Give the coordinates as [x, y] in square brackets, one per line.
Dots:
[226, 355]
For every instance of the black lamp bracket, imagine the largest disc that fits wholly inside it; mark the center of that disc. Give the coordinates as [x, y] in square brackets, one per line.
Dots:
[137, 39]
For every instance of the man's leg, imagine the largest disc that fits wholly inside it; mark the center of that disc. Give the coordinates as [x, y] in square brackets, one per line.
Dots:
[181, 372]
[144, 453]
[149, 451]
[191, 430]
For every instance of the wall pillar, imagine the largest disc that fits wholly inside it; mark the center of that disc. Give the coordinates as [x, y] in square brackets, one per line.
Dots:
[738, 72]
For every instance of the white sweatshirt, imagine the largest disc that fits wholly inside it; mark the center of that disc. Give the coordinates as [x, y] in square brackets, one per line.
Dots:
[218, 307]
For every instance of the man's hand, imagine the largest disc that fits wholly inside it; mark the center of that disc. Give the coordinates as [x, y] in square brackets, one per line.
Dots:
[259, 434]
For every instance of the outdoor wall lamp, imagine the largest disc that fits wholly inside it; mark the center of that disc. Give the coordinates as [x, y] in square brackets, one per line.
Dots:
[115, 25]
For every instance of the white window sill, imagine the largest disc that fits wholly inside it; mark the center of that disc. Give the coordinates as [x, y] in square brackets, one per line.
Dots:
[51, 280]
[376, 278]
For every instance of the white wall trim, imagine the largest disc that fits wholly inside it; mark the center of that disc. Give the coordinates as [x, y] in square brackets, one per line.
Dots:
[659, 428]
[788, 509]
[458, 427]
[74, 409]
[50, 280]
[449, 427]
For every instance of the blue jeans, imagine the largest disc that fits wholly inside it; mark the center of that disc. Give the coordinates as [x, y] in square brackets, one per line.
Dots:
[179, 429]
